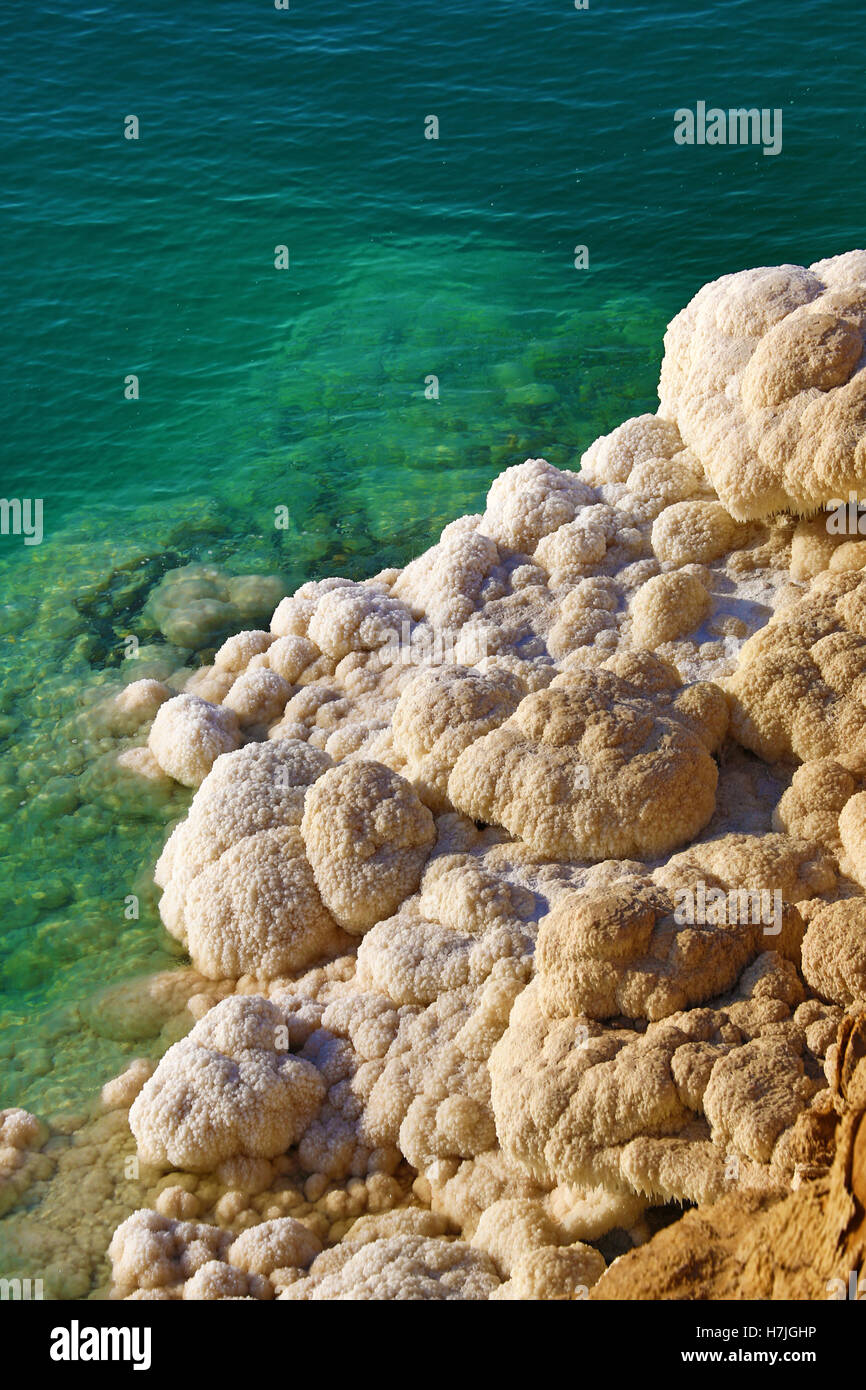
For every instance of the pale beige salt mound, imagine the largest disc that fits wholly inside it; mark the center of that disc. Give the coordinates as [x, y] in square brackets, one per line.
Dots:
[367, 836]
[258, 788]
[764, 373]
[525, 1022]
[799, 689]
[189, 734]
[599, 765]
[230, 1087]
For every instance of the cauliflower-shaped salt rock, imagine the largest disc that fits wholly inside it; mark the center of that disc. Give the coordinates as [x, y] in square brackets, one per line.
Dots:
[440, 712]
[621, 951]
[529, 501]
[256, 788]
[258, 697]
[765, 374]
[447, 581]
[667, 606]
[655, 1113]
[834, 952]
[229, 1087]
[799, 690]
[811, 805]
[189, 734]
[356, 617]
[150, 1252]
[237, 652]
[367, 836]
[692, 533]
[257, 911]
[397, 1268]
[642, 440]
[596, 767]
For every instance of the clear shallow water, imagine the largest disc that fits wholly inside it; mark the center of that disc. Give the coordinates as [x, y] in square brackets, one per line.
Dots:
[305, 388]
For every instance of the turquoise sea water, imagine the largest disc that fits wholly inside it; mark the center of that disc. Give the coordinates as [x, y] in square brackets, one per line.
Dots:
[305, 388]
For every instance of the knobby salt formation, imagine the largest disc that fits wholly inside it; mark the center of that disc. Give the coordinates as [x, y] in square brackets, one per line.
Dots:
[655, 686]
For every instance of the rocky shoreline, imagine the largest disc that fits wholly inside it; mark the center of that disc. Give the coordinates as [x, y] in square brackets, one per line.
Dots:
[450, 1029]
